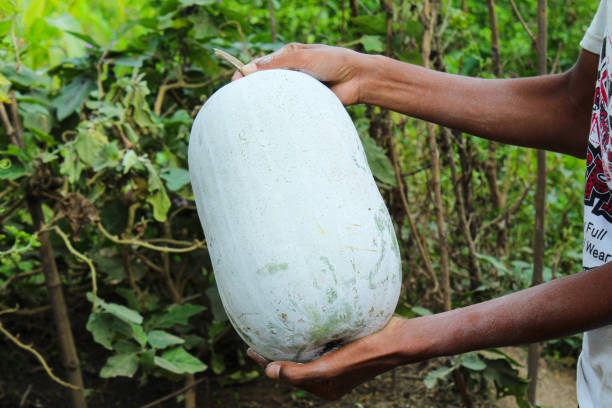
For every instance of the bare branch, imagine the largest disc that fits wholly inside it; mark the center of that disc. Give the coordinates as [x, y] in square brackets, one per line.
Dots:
[40, 358]
[520, 19]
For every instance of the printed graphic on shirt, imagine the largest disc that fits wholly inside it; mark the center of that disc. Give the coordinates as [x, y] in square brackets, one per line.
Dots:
[597, 190]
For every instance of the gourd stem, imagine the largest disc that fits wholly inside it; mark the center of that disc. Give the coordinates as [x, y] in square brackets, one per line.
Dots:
[231, 59]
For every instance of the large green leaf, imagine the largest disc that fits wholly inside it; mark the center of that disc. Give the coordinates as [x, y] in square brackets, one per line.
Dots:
[203, 25]
[100, 326]
[161, 204]
[121, 312]
[161, 339]
[471, 361]
[175, 178]
[89, 143]
[372, 43]
[11, 171]
[120, 365]
[178, 314]
[72, 96]
[438, 374]
[379, 163]
[179, 361]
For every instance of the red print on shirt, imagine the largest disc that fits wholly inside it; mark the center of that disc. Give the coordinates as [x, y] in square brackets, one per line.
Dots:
[599, 153]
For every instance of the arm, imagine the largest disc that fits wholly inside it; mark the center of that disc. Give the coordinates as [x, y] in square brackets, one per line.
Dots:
[557, 308]
[549, 112]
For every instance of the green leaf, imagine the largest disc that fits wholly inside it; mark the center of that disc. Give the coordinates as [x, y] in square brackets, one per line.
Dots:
[135, 61]
[372, 43]
[438, 374]
[188, 3]
[125, 346]
[179, 361]
[376, 24]
[4, 87]
[379, 163]
[493, 261]
[100, 326]
[472, 362]
[217, 363]
[216, 305]
[161, 204]
[88, 144]
[72, 96]
[175, 178]
[11, 171]
[131, 160]
[123, 313]
[421, 311]
[120, 365]
[71, 166]
[138, 334]
[108, 157]
[84, 37]
[161, 339]
[203, 25]
[179, 314]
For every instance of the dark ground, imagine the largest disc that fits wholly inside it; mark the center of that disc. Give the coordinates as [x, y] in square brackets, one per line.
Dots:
[24, 383]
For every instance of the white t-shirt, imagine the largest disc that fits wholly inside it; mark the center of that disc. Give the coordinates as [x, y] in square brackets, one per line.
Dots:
[594, 376]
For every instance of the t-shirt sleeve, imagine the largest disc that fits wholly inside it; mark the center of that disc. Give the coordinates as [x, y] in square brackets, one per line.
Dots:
[594, 35]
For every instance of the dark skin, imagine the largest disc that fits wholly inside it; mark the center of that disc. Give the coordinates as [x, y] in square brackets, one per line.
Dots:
[549, 112]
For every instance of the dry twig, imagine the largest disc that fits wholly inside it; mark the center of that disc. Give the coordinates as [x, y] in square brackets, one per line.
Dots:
[40, 358]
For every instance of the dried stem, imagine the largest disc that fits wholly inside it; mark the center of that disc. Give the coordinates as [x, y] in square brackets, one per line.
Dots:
[415, 233]
[174, 394]
[522, 21]
[196, 245]
[40, 358]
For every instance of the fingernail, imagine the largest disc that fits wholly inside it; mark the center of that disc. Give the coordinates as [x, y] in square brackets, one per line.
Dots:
[249, 68]
[272, 371]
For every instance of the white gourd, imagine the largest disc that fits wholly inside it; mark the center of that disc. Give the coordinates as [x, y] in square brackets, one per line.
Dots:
[302, 246]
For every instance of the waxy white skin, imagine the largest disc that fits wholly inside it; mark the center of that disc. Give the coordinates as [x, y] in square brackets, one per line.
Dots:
[303, 249]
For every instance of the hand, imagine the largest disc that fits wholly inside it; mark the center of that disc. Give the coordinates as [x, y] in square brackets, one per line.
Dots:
[338, 372]
[339, 68]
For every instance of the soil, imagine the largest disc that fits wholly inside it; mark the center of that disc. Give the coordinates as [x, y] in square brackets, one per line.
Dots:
[405, 388]
[23, 382]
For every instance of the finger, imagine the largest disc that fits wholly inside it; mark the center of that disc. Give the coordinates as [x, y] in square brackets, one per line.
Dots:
[237, 75]
[259, 359]
[282, 58]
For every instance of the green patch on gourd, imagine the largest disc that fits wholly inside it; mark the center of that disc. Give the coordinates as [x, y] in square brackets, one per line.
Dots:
[271, 269]
[331, 295]
[330, 268]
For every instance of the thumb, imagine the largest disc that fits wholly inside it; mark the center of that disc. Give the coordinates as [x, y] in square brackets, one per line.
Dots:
[273, 370]
[287, 57]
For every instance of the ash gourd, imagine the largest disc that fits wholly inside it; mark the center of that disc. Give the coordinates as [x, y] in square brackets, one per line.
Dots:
[302, 246]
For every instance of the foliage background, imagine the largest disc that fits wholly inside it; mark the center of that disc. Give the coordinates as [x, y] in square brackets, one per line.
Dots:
[106, 94]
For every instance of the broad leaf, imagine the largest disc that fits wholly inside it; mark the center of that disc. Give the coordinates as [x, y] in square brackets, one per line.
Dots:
[178, 314]
[120, 365]
[372, 43]
[123, 313]
[472, 362]
[100, 326]
[438, 374]
[175, 178]
[379, 163]
[72, 96]
[179, 361]
[161, 339]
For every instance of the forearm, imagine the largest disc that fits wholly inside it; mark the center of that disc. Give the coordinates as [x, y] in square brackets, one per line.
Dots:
[549, 112]
[561, 307]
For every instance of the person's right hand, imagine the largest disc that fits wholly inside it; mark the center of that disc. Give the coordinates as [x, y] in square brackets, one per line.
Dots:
[339, 68]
